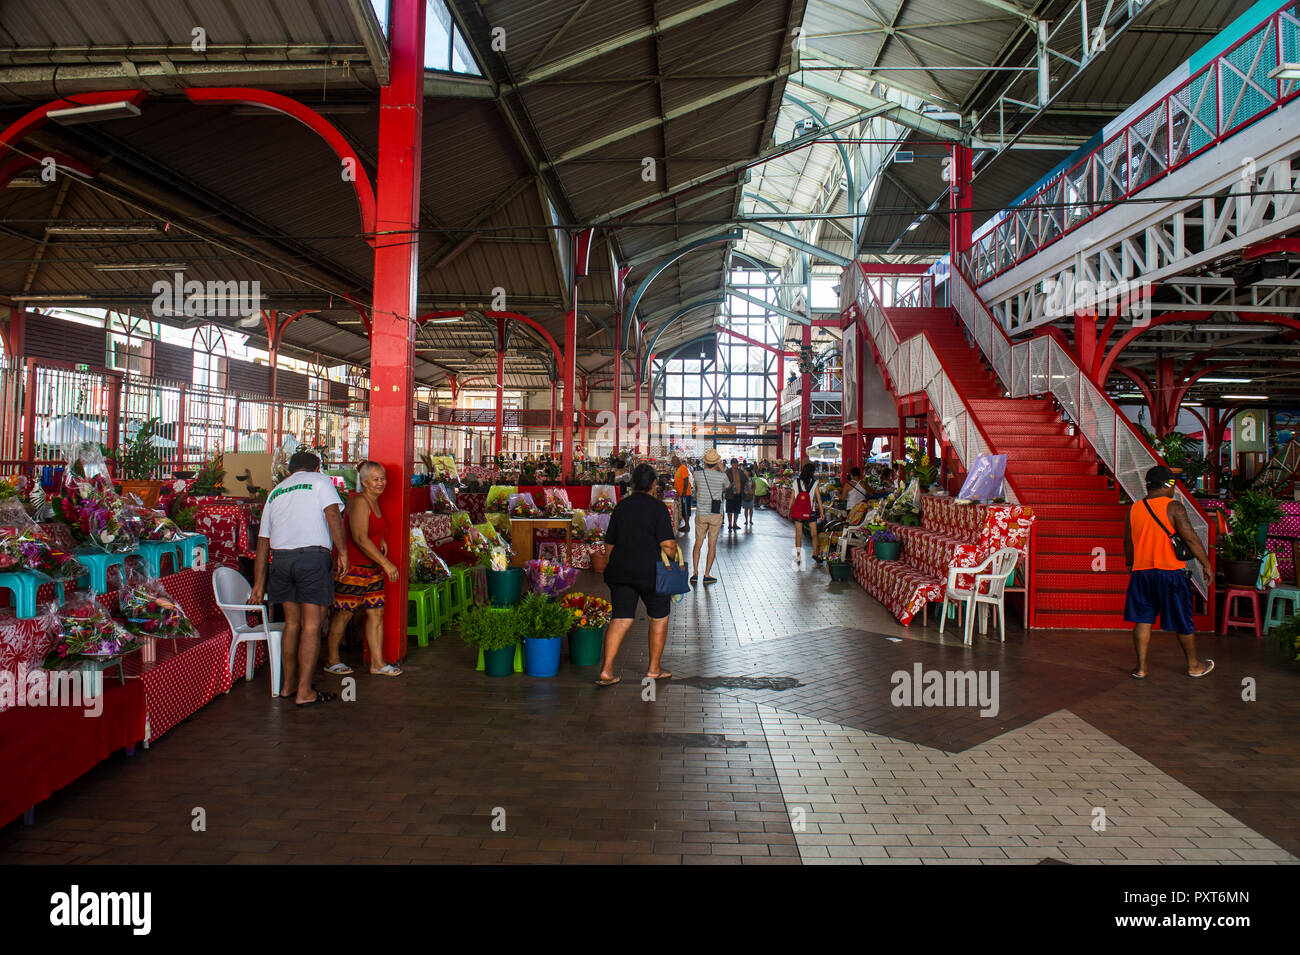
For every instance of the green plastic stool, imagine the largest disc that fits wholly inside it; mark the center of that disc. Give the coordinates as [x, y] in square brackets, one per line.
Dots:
[460, 590]
[1289, 595]
[519, 658]
[444, 602]
[426, 615]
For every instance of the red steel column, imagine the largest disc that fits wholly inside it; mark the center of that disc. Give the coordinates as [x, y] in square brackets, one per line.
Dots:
[392, 333]
[570, 387]
[805, 404]
[552, 447]
[780, 388]
[501, 385]
[959, 194]
[618, 374]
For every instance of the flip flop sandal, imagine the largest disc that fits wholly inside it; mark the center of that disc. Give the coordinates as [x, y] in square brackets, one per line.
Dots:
[694, 577]
[339, 669]
[1209, 668]
[710, 580]
[320, 698]
[616, 679]
[387, 669]
[663, 675]
[1134, 675]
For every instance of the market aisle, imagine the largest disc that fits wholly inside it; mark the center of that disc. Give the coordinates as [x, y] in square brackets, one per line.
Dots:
[780, 713]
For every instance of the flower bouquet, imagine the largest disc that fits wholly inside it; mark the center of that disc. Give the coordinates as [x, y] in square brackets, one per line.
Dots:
[440, 500]
[498, 559]
[550, 578]
[523, 505]
[481, 541]
[83, 628]
[24, 546]
[96, 515]
[498, 497]
[460, 525]
[557, 502]
[14, 488]
[426, 566]
[588, 609]
[603, 500]
[148, 611]
[152, 524]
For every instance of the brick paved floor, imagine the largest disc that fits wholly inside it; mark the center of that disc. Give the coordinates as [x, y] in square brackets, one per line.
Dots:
[419, 768]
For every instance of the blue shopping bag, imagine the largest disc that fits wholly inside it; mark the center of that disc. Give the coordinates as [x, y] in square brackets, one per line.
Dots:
[672, 579]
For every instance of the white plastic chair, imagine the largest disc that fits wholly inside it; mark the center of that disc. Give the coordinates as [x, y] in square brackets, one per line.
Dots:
[232, 590]
[993, 573]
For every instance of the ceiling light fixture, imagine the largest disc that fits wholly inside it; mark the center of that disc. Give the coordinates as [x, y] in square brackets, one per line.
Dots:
[1228, 381]
[48, 298]
[1247, 397]
[442, 321]
[122, 109]
[102, 229]
[141, 266]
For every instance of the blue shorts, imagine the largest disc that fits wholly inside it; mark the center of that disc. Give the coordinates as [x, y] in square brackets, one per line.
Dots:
[1166, 593]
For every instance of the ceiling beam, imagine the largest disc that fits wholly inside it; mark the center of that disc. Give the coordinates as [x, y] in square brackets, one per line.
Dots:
[794, 243]
[817, 83]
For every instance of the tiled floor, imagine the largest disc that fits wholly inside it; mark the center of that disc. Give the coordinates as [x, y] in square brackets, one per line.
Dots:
[419, 769]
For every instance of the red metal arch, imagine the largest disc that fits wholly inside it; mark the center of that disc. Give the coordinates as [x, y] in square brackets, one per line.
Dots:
[1251, 318]
[314, 121]
[509, 316]
[33, 120]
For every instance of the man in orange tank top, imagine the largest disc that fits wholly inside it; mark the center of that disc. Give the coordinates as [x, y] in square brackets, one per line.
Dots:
[1158, 584]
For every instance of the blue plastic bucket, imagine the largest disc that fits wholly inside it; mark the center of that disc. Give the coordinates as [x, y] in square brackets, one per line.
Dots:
[542, 656]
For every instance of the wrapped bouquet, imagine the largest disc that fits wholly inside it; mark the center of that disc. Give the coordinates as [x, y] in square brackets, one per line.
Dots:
[603, 499]
[148, 611]
[557, 502]
[588, 609]
[96, 515]
[440, 500]
[24, 546]
[523, 505]
[83, 628]
[550, 578]
[426, 566]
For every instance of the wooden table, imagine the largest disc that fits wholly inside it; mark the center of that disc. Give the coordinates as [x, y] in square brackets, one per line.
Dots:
[521, 535]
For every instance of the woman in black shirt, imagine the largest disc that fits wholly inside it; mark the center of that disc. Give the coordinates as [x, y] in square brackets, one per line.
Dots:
[639, 531]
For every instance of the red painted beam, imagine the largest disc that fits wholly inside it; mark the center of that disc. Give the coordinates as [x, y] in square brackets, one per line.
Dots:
[34, 119]
[757, 344]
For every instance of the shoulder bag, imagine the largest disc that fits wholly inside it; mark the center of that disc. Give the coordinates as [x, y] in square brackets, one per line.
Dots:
[1181, 549]
[671, 578]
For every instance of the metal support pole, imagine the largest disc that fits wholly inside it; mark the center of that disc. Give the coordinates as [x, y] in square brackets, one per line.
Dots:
[392, 336]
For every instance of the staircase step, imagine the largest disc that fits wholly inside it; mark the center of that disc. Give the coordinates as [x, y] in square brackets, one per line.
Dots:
[1037, 497]
[1083, 544]
[1109, 603]
[1091, 481]
[1021, 429]
[1109, 581]
[1079, 562]
[1055, 511]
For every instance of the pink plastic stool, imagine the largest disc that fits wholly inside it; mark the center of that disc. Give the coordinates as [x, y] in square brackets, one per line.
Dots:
[1238, 593]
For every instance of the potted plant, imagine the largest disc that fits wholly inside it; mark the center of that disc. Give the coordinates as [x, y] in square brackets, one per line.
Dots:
[542, 622]
[591, 614]
[1255, 511]
[495, 631]
[1240, 552]
[885, 544]
[137, 462]
[1288, 635]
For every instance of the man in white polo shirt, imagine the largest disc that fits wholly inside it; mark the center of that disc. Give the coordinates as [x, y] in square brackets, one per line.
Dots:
[300, 521]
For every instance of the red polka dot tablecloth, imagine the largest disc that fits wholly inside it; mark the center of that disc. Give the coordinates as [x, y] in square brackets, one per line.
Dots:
[224, 521]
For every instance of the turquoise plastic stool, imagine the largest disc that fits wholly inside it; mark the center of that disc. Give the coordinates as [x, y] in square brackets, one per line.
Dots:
[24, 584]
[185, 547]
[1289, 595]
[98, 563]
[519, 658]
[426, 617]
[152, 553]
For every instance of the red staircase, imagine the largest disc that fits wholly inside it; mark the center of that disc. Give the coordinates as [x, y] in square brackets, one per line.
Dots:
[1077, 508]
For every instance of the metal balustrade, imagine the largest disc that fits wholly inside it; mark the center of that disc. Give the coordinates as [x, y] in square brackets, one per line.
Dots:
[914, 366]
[1223, 97]
[1041, 366]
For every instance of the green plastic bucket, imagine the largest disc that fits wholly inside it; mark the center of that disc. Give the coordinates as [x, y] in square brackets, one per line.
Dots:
[887, 550]
[841, 571]
[499, 662]
[505, 586]
[585, 646]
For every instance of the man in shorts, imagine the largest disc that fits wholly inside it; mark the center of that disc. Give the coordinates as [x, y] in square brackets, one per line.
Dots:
[1158, 584]
[300, 521]
[710, 486]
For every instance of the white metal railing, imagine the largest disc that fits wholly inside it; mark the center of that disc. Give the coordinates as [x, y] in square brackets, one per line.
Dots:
[1040, 366]
[914, 366]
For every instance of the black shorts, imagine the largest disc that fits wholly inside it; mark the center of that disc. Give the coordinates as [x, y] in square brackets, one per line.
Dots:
[304, 575]
[733, 505]
[624, 598]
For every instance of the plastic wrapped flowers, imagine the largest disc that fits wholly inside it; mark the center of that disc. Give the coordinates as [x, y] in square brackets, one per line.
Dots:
[426, 566]
[440, 500]
[602, 500]
[148, 611]
[523, 505]
[96, 515]
[482, 542]
[83, 628]
[24, 546]
[557, 502]
[549, 578]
